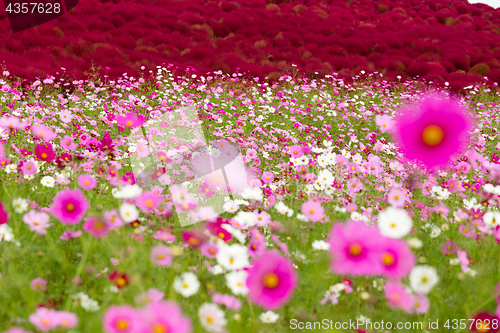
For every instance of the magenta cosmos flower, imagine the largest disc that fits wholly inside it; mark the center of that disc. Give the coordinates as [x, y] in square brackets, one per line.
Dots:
[271, 280]
[433, 131]
[165, 316]
[87, 182]
[4, 217]
[69, 206]
[355, 248]
[96, 226]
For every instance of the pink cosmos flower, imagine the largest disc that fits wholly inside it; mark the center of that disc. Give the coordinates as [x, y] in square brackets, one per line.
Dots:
[271, 280]
[396, 259]
[354, 185]
[66, 319]
[209, 249]
[4, 217]
[165, 316]
[164, 236]
[29, 168]
[70, 234]
[396, 198]
[398, 297]
[207, 189]
[354, 247]
[87, 182]
[148, 201]
[267, 177]
[38, 284]
[422, 304]
[44, 319]
[384, 122]
[142, 149]
[43, 132]
[122, 319]
[161, 255]
[96, 226]
[113, 219]
[229, 301]
[17, 330]
[69, 206]
[433, 131]
[313, 210]
[67, 143]
[37, 221]
[130, 120]
[152, 295]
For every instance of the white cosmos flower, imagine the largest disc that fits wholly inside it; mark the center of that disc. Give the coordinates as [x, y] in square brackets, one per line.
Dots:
[232, 257]
[325, 177]
[187, 284]
[252, 193]
[231, 206]
[128, 212]
[245, 219]
[414, 243]
[48, 181]
[394, 223]
[10, 168]
[435, 231]
[423, 278]
[320, 245]
[491, 219]
[20, 205]
[128, 192]
[6, 233]
[236, 281]
[281, 207]
[164, 179]
[269, 317]
[212, 318]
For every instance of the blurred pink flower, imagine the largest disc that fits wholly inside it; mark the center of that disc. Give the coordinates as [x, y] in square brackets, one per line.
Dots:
[313, 210]
[37, 221]
[398, 297]
[43, 132]
[271, 280]
[432, 131]
[87, 182]
[38, 284]
[354, 247]
[70, 234]
[396, 258]
[164, 316]
[161, 255]
[69, 206]
[44, 319]
[122, 319]
[96, 226]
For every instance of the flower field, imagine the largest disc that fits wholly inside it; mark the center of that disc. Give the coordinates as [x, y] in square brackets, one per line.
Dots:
[369, 201]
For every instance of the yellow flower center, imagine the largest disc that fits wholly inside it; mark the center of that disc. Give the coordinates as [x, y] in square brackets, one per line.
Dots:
[355, 249]
[121, 282]
[388, 259]
[70, 207]
[159, 328]
[43, 155]
[122, 325]
[432, 135]
[271, 280]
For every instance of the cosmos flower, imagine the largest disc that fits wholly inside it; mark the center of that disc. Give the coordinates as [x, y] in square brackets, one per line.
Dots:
[38, 284]
[271, 280]
[69, 206]
[186, 284]
[44, 319]
[394, 223]
[96, 226]
[164, 316]
[130, 120]
[37, 221]
[212, 318]
[87, 182]
[45, 153]
[4, 217]
[353, 247]
[423, 278]
[161, 255]
[432, 131]
[398, 297]
[122, 319]
[396, 259]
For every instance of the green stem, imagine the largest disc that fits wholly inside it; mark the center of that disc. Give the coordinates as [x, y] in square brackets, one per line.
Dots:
[79, 270]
